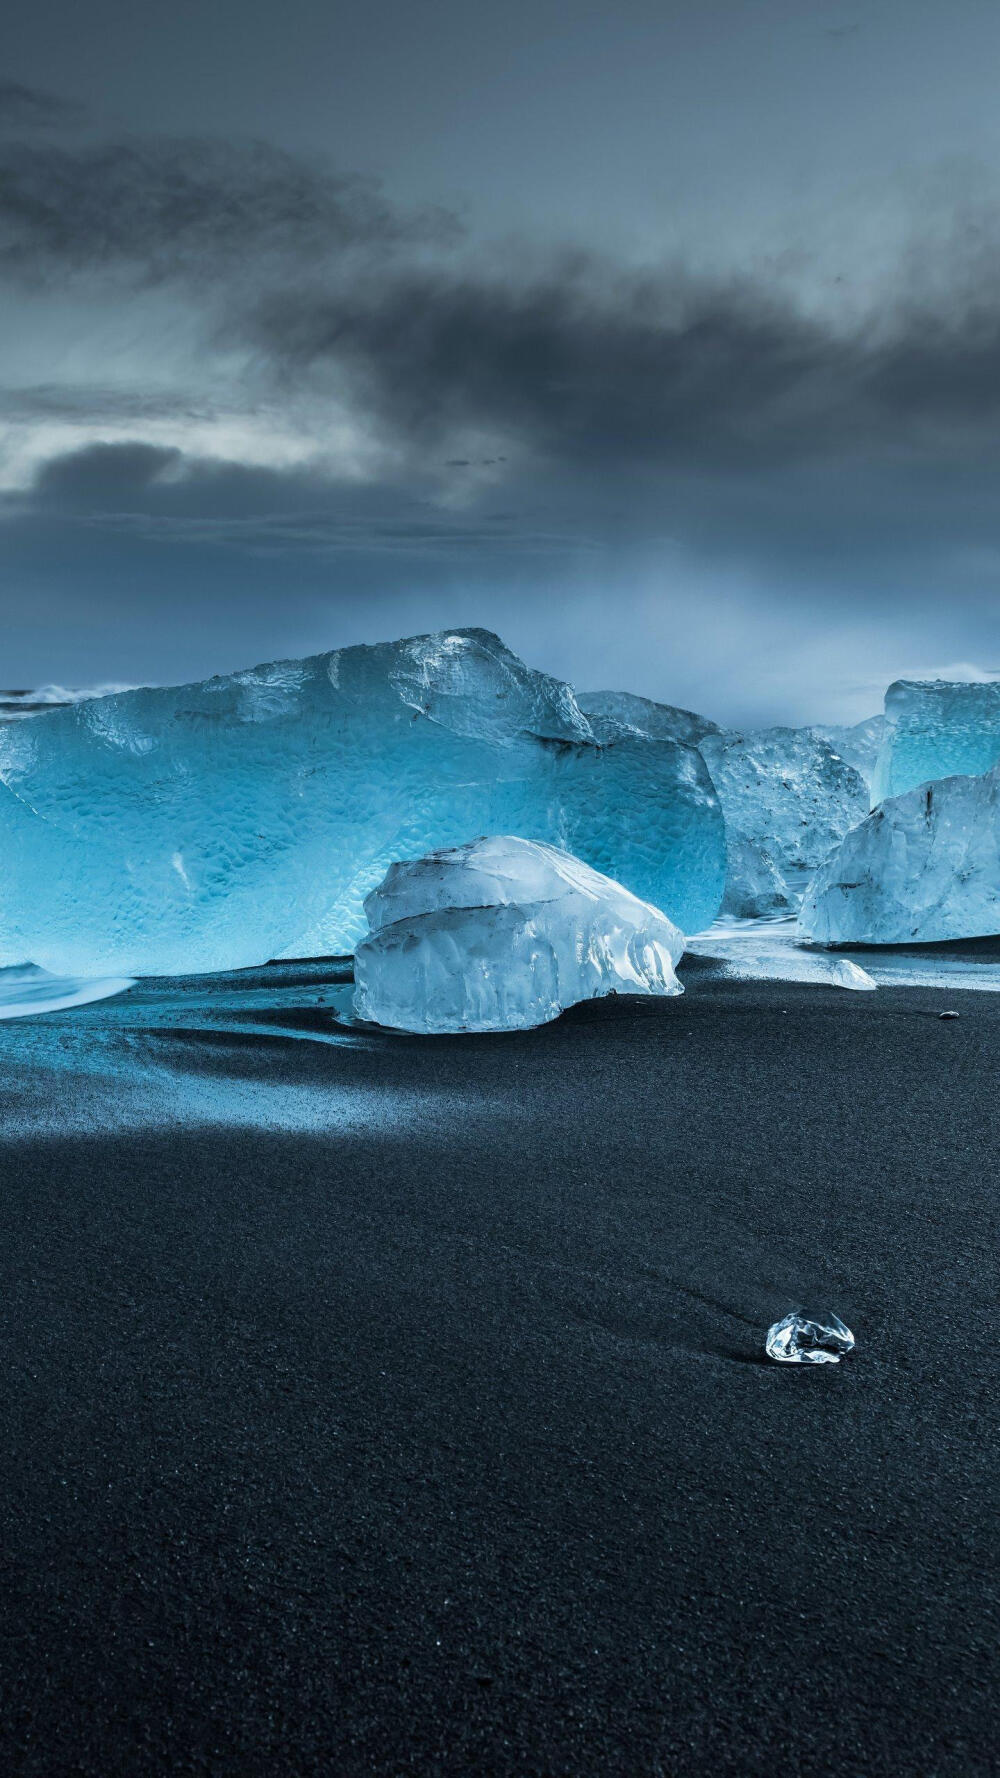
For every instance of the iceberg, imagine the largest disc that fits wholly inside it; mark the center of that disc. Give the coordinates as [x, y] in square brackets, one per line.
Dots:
[787, 798]
[502, 934]
[922, 868]
[212, 826]
[936, 729]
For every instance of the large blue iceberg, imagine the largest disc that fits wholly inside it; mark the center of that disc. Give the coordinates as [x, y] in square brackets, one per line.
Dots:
[936, 729]
[211, 826]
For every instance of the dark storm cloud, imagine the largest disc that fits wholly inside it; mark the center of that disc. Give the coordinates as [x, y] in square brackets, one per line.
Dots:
[573, 358]
[164, 208]
[492, 428]
[586, 366]
[104, 473]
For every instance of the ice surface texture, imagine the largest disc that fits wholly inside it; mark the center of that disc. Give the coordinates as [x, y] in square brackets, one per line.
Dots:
[611, 711]
[934, 729]
[921, 868]
[858, 744]
[211, 826]
[787, 798]
[809, 1339]
[502, 934]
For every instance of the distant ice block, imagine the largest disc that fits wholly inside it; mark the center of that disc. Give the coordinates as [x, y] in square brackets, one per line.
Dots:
[502, 934]
[857, 744]
[921, 868]
[935, 729]
[787, 798]
[608, 711]
[211, 826]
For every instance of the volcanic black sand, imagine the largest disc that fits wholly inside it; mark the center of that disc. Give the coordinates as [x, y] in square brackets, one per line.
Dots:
[406, 1412]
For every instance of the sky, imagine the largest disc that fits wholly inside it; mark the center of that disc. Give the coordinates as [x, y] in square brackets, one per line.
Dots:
[663, 339]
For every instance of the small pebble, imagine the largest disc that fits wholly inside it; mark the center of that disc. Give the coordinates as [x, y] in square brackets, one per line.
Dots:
[949, 1015]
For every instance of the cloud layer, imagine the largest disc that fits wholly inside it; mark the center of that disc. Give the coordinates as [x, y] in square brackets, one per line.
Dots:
[273, 361]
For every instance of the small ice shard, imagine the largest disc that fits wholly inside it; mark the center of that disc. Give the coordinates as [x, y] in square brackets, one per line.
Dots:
[935, 729]
[26, 990]
[922, 868]
[809, 1339]
[850, 975]
[769, 950]
[948, 1015]
[502, 934]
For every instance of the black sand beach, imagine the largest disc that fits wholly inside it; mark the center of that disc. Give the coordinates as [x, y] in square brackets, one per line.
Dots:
[390, 1406]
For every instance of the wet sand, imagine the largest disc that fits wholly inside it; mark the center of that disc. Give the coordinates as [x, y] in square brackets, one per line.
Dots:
[384, 1406]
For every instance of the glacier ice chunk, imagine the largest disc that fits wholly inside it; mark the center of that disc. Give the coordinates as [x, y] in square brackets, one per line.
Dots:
[211, 826]
[921, 868]
[936, 729]
[501, 934]
[787, 798]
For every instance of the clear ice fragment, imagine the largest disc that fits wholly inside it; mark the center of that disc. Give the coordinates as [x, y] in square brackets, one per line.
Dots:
[501, 935]
[806, 1339]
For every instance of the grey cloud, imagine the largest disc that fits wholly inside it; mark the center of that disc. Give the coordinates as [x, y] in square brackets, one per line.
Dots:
[585, 367]
[105, 472]
[157, 494]
[581, 363]
[165, 208]
[79, 402]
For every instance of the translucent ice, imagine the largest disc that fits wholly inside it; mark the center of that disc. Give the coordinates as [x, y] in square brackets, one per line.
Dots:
[858, 744]
[770, 950]
[935, 729]
[210, 826]
[922, 868]
[502, 934]
[805, 1339]
[787, 798]
[608, 711]
[27, 990]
